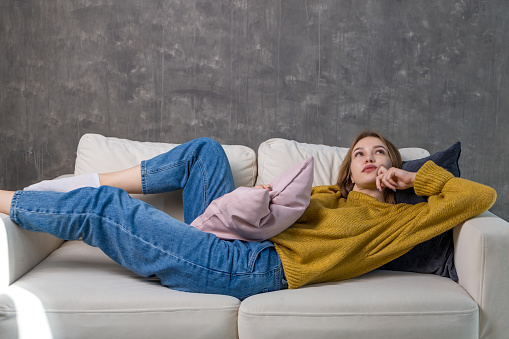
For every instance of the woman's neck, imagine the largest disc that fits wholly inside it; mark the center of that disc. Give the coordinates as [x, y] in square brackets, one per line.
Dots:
[372, 192]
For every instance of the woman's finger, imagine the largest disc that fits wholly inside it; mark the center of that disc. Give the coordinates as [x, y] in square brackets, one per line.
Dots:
[380, 174]
[265, 187]
[391, 178]
[390, 184]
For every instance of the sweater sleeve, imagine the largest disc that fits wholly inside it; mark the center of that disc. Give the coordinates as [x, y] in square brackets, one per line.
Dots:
[451, 201]
[431, 179]
[444, 189]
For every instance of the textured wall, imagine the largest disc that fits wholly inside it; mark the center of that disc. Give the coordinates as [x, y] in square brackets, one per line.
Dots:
[425, 73]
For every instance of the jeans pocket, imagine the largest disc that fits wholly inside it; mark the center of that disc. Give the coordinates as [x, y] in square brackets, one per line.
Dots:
[260, 255]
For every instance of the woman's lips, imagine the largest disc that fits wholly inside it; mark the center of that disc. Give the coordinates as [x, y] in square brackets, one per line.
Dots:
[369, 168]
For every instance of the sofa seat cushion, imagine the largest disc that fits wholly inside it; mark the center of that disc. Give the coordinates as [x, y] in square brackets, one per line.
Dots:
[78, 292]
[380, 304]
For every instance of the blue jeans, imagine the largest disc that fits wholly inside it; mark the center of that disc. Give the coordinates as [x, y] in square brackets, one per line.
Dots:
[149, 242]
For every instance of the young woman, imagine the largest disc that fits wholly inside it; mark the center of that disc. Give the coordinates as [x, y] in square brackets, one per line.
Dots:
[347, 230]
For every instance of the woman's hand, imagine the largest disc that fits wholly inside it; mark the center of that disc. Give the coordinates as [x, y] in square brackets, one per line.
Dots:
[394, 178]
[266, 187]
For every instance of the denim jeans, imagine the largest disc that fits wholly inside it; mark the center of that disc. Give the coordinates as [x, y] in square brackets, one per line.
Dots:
[149, 242]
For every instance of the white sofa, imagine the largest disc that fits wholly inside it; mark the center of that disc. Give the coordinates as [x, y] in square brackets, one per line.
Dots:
[55, 289]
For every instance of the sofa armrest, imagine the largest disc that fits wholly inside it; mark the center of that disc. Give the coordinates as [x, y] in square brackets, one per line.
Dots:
[21, 250]
[482, 262]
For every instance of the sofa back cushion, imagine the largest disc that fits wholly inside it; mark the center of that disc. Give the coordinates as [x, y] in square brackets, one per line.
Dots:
[276, 155]
[97, 153]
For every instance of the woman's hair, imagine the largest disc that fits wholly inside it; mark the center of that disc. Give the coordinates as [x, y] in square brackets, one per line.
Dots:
[345, 174]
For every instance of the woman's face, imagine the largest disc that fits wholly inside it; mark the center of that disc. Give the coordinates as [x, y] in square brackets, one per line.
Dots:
[368, 155]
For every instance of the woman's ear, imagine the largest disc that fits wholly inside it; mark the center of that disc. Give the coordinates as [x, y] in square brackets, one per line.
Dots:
[351, 179]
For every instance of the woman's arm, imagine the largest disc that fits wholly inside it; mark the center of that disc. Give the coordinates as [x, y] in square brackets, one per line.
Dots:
[451, 201]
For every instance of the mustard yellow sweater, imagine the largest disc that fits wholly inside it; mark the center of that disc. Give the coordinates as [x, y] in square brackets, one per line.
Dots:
[337, 238]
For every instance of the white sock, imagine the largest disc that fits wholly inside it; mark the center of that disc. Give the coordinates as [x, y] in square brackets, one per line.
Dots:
[66, 184]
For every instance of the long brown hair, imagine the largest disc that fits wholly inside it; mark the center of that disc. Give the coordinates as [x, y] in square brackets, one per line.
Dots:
[345, 173]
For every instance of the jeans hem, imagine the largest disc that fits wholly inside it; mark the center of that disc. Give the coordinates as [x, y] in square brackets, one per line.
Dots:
[14, 204]
[143, 169]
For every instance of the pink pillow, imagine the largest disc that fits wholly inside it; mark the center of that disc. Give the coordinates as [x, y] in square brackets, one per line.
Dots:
[257, 214]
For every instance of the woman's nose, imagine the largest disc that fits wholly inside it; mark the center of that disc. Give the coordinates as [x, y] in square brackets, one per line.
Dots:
[369, 158]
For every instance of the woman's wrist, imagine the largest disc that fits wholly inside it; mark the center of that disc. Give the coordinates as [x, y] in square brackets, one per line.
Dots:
[412, 180]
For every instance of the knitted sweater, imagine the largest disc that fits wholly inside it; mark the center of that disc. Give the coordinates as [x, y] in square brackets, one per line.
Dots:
[337, 238]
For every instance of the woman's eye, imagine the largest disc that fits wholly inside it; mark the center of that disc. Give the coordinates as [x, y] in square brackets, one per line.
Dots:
[358, 154]
[380, 151]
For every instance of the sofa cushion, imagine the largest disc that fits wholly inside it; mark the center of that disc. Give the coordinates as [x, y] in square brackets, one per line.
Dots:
[275, 155]
[97, 153]
[380, 304]
[268, 213]
[78, 292]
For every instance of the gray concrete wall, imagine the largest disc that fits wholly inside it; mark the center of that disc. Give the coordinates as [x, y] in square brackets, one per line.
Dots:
[424, 73]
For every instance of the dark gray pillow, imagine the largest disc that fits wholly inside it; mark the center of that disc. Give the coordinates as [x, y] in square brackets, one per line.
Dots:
[435, 256]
